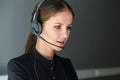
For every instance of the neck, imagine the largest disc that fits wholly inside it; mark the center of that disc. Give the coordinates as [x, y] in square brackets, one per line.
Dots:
[44, 50]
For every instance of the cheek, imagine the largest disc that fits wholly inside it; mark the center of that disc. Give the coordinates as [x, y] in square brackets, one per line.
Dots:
[49, 34]
[52, 35]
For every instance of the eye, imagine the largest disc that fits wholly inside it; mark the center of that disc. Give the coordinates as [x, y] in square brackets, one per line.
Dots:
[69, 27]
[57, 26]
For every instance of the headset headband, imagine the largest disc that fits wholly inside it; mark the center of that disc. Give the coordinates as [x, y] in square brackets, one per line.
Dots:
[36, 12]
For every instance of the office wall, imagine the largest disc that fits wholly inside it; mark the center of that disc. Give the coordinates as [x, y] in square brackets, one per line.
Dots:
[15, 25]
[94, 40]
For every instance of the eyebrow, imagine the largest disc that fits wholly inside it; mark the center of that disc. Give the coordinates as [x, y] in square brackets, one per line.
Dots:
[62, 24]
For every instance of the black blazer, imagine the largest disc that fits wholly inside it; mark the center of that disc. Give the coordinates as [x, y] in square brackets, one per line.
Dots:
[33, 66]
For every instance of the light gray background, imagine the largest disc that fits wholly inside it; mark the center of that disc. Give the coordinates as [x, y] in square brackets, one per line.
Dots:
[94, 40]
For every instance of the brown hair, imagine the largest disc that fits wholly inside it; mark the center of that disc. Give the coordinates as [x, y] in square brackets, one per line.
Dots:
[47, 9]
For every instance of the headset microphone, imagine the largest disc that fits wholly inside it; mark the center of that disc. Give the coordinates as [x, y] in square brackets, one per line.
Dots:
[50, 42]
[38, 35]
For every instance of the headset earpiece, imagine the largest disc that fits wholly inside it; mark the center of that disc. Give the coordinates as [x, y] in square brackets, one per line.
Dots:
[36, 26]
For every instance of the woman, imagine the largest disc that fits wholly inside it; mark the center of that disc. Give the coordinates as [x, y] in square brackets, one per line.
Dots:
[51, 24]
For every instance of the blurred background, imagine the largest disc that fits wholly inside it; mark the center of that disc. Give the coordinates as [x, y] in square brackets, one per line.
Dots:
[95, 38]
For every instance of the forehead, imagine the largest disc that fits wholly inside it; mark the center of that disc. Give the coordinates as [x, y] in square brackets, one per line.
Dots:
[64, 17]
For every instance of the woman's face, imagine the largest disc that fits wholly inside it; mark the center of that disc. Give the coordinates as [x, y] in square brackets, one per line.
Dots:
[57, 29]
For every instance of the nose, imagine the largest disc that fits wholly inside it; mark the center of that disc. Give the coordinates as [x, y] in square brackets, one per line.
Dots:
[65, 34]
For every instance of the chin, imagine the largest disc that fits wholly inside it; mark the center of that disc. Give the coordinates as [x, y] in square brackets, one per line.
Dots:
[58, 49]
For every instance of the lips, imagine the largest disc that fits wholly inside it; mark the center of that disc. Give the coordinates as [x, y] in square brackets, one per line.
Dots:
[61, 43]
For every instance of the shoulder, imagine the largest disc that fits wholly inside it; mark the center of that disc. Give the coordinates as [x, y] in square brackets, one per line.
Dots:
[20, 58]
[19, 61]
[17, 68]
